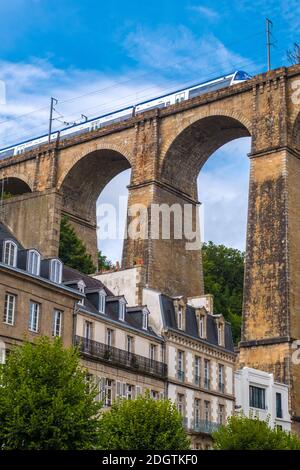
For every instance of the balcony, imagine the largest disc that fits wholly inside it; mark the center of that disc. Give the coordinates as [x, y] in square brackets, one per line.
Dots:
[221, 387]
[206, 427]
[180, 375]
[121, 358]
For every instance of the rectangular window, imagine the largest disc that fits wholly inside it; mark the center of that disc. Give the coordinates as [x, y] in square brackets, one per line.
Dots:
[197, 370]
[207, 411]
[108, 392]
[129, 392]
[206, 374]
[9, 309]
[179, 319]
[109, 337]
[221, 378]
[129, 344]
[87, 330]
[180, 403]
[145, 321]
[138, 390]
[220, 334]
[121, 310]
[102, 298]
[278, 405]
[180, 365]
[57, 321]
[201, 326]
[153, 351]
[2, 353]
[257, 397]
[221, 414]
[197, 412]
[34, 313]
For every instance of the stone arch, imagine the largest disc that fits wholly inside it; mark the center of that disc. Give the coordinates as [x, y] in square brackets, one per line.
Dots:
[195, 142]
[86, 150]
[14, 186]
[296, 133]
[87, 177]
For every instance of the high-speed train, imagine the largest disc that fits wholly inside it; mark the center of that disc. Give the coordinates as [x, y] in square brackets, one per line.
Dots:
[121, 115]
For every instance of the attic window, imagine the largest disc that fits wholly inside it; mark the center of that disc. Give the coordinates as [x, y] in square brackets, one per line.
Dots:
[55, 271]
[102, 296]
[180, 318]
[10, 253]
[220, 334]
[145, 320]
[81, 287]
[121, 310]
[33, 262]
[201, 326]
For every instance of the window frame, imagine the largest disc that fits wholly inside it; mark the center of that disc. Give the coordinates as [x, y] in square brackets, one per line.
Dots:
[53, 277]
[256, 401]
[54, 326]
[145, 321]
[6, 244]
[102, 302]
[38, 264]
[6, 313]
[122, 310]
[33, 321]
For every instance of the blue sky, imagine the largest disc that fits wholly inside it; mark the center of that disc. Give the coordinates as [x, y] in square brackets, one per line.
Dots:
[133, 50]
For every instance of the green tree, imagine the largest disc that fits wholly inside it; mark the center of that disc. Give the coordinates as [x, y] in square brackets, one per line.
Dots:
[72, 250]
[243, 433]
[104, 264]
[143, 424]
[223, 270]
[46, 401]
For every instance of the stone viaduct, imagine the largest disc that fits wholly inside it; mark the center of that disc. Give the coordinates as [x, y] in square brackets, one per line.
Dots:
[165, 150]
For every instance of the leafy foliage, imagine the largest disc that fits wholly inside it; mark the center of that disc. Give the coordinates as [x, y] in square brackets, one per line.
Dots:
[243, 433]
[293, 55]
[45, 401]
[223, 269]
[6, 195]
[104, 264]
[72, 250]
[143, 424]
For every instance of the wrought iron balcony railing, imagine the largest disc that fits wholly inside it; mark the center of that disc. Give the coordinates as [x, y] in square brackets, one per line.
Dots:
[121, 358]
[206, 427]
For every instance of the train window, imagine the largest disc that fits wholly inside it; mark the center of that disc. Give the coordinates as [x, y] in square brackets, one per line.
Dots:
[179, 97]
[168, 103]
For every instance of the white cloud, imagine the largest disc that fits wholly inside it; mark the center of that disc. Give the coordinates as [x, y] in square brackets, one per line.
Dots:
[209, 13]
[179, 51]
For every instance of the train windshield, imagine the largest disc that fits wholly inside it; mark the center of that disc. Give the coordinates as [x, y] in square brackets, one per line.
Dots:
[242, 76]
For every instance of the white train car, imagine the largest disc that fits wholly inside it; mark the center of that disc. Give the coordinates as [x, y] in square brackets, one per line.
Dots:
[125, 113]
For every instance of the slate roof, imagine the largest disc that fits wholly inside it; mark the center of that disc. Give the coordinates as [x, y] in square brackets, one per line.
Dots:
[71, 275]
[5, 233]
[169, 320]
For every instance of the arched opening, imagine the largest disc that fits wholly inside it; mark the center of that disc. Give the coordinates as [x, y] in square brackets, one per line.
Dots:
[82, 187]
[13, 187]
[296, 133]
[194, 145]
[208, 162]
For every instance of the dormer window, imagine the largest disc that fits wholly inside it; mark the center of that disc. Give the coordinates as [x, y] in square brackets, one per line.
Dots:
[145, 320]
[201, 326]
[81, 287]
[33, 262]
[55, 271]
[10, 253]
[220, 334]
[122, 310]
[180, 318]
[102, 298]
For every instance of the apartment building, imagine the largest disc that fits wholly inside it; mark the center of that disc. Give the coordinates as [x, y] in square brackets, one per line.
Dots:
[33, 299]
